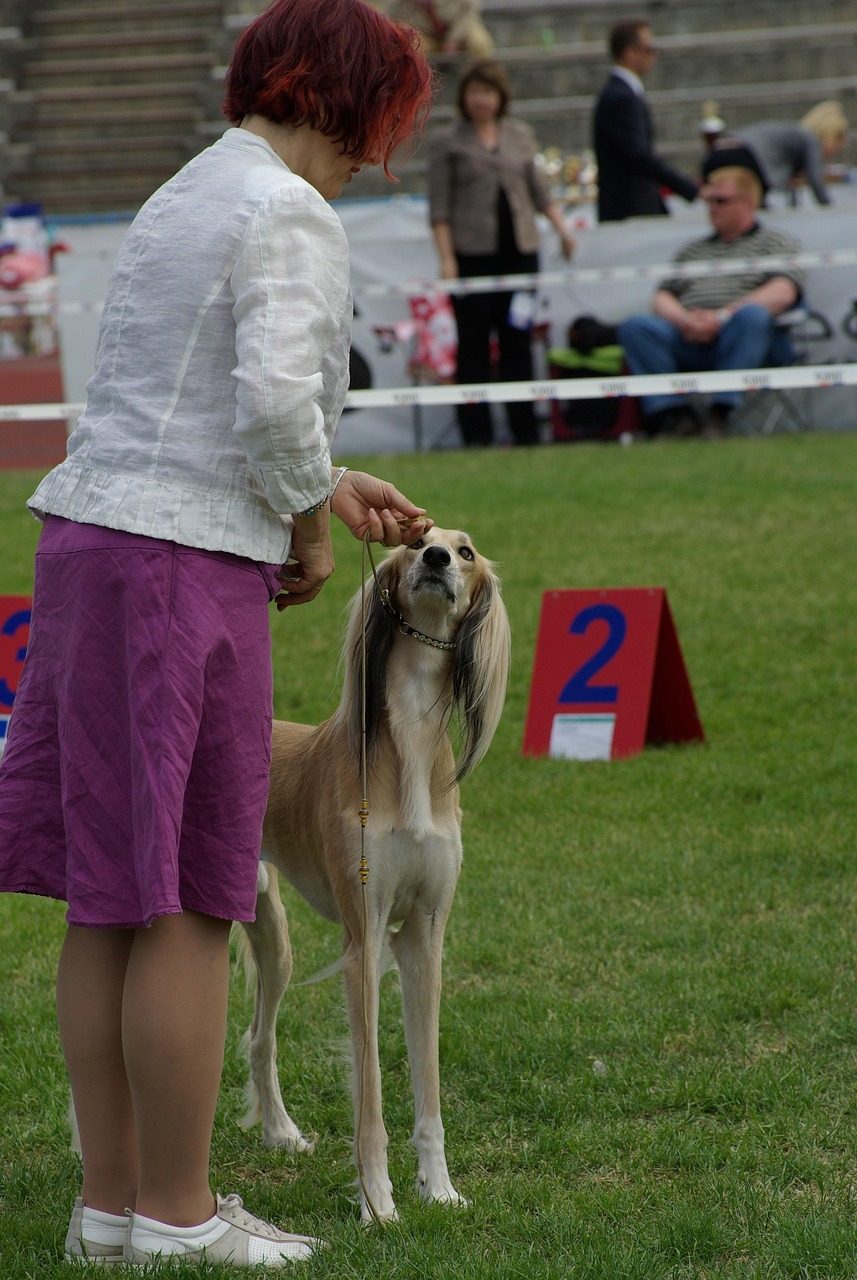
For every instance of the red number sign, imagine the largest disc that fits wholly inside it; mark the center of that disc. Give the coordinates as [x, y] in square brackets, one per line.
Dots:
[609, 676]
[14, 633]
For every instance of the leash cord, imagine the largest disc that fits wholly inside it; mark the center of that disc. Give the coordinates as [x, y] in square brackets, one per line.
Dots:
[363, 814]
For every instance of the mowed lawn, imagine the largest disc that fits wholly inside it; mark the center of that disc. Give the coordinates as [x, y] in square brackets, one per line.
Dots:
[649, 1036]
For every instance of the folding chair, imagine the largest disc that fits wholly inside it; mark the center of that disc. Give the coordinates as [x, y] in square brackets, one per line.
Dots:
[789, 409]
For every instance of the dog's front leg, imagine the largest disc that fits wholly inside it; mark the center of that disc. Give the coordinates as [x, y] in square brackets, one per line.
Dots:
[362, 977]
[418, 947]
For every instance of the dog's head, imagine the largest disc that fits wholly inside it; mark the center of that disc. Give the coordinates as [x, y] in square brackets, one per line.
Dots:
[443, 589]
[436, 580]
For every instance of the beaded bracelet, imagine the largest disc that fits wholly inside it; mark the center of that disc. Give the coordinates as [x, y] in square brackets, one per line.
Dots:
[313, 511]
[328, 497]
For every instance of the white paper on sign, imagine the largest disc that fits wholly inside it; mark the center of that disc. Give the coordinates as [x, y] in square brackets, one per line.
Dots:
[582, 737]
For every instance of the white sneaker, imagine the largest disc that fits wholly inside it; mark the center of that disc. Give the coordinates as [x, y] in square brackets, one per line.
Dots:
[233, 1236]
[95, 1237]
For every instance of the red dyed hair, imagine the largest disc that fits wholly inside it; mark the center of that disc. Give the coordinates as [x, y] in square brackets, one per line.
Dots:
[337, 65]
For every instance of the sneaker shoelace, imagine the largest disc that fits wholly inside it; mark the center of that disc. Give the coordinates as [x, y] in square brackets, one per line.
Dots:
[234, 1203]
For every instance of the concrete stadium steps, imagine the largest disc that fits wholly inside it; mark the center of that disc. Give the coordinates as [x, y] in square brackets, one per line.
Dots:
[84, 187]
[521, 22]
[706, 62]
[97, 72]
[48, 125]
[109, 97]
[67, 104]
[97, 155]
[63, 19]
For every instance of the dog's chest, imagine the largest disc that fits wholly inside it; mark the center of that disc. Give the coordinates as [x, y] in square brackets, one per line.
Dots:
[412, 870]
[417, 723]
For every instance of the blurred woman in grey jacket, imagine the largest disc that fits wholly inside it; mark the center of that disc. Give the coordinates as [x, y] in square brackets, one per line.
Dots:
[790, 154]
[484, 192]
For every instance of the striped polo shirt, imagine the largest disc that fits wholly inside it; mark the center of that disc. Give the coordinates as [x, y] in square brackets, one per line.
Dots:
[719, 291]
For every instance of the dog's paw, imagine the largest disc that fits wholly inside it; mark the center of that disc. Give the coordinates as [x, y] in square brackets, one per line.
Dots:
[283, 1132]
[442, 1192]
[377, 1208]
[383, 1217]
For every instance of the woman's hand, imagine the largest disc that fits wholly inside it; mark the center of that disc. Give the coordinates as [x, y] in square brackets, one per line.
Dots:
[449, 267]
[567, 243]
[369, 505]
[310, 561]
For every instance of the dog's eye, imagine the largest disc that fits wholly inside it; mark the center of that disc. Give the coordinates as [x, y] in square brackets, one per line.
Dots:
[465, 553]
[416, 546]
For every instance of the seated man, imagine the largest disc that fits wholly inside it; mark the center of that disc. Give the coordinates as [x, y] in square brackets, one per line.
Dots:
[718, 321]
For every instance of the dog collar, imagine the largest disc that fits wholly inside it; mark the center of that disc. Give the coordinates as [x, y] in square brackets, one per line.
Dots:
[408, 630]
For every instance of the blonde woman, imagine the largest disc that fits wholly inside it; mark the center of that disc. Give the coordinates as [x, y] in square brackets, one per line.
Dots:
[791, 154]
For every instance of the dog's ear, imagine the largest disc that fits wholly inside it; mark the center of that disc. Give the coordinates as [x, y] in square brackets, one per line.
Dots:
[480, 671]
[374, 647]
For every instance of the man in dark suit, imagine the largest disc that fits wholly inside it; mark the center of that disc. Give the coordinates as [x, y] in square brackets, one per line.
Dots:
[630, 174]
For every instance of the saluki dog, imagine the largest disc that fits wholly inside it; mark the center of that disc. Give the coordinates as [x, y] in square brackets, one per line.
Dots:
[428, 638]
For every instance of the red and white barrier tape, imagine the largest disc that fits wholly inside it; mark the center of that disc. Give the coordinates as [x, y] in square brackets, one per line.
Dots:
[610, 275]
[682, 384]
[538, 280]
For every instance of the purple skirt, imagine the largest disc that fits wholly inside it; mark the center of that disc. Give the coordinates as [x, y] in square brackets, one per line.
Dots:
[135, 776]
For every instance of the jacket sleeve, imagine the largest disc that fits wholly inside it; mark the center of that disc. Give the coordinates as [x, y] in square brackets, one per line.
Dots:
[440, 182]
[813, 167]
[540, 192]
[621, 129]
[292, 309]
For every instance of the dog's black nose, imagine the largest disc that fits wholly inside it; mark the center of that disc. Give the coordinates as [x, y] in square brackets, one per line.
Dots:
[436, 557]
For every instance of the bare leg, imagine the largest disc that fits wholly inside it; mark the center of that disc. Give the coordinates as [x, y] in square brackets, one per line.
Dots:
[90, 982]
[174, 1034]
[142, 1019]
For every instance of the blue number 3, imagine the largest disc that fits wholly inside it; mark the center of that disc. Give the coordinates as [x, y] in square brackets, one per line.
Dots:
[578, 688]
[15, 623]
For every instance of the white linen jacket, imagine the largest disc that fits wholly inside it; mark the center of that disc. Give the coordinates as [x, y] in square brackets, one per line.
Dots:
[222, 362]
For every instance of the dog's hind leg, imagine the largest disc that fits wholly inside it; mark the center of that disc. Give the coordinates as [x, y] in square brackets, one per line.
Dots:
[418, 947]
[272, 953]
[362, 977]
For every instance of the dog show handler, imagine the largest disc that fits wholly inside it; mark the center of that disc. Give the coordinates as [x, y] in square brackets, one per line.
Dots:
[197, 488]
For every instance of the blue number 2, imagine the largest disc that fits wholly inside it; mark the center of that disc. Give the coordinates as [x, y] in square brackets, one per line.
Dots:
[578, 688]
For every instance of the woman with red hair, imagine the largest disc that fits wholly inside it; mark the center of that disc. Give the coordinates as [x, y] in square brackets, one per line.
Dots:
[198, 486]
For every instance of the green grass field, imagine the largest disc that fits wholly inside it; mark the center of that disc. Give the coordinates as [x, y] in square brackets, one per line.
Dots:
[649, 1036]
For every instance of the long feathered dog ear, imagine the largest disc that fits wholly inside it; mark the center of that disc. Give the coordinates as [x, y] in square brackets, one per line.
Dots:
[379, 635]
[480, 671]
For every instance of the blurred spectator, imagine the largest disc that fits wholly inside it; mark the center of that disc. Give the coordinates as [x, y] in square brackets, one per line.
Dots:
[716, 321]
[447, 26]
[630, 174]
[484, 192]
[791, 154]
[711, 126]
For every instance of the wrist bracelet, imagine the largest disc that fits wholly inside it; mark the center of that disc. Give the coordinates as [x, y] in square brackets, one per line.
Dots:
[313, 511]
[328, 497]
[335, 485]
